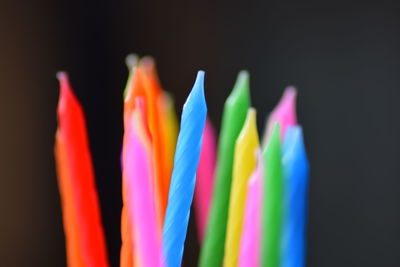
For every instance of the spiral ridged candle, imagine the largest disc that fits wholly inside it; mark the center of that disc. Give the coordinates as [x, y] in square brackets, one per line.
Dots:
[184, 174]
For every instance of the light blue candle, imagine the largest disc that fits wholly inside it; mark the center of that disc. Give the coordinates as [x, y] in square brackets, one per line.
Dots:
[296, 171]
[184, 174]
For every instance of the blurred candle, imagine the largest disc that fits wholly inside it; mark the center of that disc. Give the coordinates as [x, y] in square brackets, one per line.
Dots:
[184, 173]
[138, 169]
[296, 169]
[127, 247]
[244, 164]
[205, 178]
[141, 87]
[234, 114]
[284, 113]
[250, 241]
[157, 128]
[69, 212]
[79, 197]
[153, 92]
[171, 127]
[272, 201]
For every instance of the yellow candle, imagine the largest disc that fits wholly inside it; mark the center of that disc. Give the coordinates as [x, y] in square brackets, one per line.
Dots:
[244, 164]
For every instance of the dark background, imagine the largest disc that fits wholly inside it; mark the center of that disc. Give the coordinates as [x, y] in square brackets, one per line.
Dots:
[345, 62]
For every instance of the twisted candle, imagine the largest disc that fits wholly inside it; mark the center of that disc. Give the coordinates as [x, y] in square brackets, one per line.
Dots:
[184, 174]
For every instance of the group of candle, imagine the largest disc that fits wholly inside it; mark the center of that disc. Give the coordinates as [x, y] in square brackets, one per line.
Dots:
[249, 198]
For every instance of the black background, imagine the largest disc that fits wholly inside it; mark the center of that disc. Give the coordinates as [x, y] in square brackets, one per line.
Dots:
[345, 62]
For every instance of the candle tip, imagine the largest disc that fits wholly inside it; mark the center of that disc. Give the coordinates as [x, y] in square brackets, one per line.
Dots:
[131, 61]
[241, 89]
[242, 81]
[61, 75]
[197, 93]
[64, 86]
[289, 96]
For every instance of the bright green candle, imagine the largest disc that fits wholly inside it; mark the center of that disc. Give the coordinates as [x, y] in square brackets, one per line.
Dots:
[233, 118]
[272, 202]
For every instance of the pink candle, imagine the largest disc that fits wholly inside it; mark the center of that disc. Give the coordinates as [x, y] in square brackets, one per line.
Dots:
[249, 255]
[205, 178]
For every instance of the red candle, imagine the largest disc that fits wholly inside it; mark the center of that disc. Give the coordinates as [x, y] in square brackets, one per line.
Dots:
[86, 245]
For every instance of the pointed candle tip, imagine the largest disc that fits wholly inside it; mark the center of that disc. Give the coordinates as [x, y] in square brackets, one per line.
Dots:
[250, 125]
[131, 61]
[251, 115]
[241, 89]
[242, 81]
[243, 75]
[198, 86]
[290, 94]
[148, 62]
[200, 76]
[61, 75]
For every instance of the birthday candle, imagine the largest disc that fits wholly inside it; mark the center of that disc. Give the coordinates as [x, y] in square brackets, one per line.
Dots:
[244, 164]
[205, 178]
[250, 241]
[127, 255]
[69, 214]
[233, 118]
[184, 173]
[153, 114]
[272, 201]
[140, 87]
[73, 149]
[171, 127]
[295, 166]
[157, 126]
[284, 113]
[138, 169]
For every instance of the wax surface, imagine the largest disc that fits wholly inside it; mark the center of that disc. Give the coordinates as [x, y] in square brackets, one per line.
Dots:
[138, 169]
[171, 127]
[127, 248]
[234, 114]
[284, 113]
[72, 150]
[296, 170]
[205, 178]
[153, 115]
[244, 165]
[184, 174]
[158, 128]
[272, 202]
[69, 213]
[141, 85]
[250, 241]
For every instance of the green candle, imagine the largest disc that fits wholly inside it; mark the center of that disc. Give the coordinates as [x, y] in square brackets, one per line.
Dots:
[272, 202]
[233, 118]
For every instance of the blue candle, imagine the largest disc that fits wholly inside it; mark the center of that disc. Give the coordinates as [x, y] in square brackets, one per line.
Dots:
[184, 174]
[296, 170]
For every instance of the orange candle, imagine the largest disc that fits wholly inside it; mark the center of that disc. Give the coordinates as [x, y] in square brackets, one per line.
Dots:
[144, 84]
